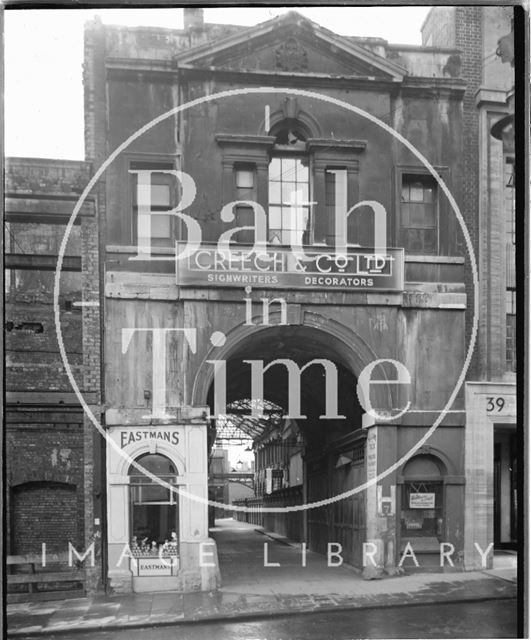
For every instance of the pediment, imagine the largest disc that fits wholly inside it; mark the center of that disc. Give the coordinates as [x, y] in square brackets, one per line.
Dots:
[291, 44]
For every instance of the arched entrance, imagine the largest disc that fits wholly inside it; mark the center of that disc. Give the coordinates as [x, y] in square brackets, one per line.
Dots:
[422, 509]
[308, 441]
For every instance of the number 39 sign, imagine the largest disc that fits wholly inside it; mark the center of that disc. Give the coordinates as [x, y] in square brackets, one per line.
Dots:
[500, 404]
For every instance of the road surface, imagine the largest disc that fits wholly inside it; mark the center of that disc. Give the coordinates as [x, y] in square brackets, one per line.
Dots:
[489, 619]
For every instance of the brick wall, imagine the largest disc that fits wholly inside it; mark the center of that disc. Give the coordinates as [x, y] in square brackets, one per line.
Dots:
[33, 361]
[92, 440]
[438, 29]
[91, 233]
[53, 467]
[468, 38]
[462, 27]
[44, 512]
[44, 472]
[31, 176]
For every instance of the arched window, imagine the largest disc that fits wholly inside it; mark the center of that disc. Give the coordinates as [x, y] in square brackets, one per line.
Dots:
[155, 463]
[289, 186]
[154, 507]
[422, 513]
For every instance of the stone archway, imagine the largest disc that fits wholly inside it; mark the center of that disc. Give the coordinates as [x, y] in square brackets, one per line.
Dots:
[333, 447]
[331, 337]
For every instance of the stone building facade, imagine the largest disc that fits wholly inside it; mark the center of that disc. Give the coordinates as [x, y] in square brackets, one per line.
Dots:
[485, 35]
[163, 348]
[232, 146]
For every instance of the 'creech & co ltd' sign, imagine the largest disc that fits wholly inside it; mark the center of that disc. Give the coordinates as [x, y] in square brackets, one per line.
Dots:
[280, 267]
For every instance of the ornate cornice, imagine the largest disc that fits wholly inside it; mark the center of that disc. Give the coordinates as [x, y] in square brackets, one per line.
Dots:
[334, 145]
[238, 139]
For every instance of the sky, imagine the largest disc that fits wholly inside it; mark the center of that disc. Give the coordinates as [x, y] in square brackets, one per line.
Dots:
[43, 93]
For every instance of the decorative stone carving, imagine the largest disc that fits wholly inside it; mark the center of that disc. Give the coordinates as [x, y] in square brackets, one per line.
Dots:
[290, 107]
[505, 49]
[291, 56]
[452, 67]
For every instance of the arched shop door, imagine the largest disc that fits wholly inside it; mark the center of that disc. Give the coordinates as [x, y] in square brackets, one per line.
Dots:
[422, 513]
[154, 509]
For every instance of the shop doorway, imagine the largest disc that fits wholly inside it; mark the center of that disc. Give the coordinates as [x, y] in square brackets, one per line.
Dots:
[505, 479]
[423, 510]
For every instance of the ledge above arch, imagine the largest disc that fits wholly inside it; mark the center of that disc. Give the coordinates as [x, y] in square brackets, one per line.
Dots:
[337, 341]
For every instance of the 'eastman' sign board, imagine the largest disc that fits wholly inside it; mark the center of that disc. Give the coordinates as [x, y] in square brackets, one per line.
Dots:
[278, 267]
[156, 567]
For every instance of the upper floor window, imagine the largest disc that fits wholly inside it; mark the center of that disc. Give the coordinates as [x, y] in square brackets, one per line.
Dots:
[510, 328]
[245, 187]
[161, 199]
[289, 189]
[419, 224]
[335, 180]
[289, 211]
[245, 182]
[510, 270]
[510, 223]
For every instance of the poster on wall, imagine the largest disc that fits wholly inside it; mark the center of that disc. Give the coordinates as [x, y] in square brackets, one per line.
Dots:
[422, 501]
[263, 271]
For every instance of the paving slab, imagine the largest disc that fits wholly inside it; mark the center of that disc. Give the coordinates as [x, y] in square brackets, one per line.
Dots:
[249, 592]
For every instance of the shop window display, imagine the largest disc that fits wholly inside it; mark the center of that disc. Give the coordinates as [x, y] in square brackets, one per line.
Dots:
[422, 510]
[154, 509]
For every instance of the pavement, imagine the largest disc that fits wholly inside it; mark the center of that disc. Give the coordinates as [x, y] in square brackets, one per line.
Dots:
[251, 590]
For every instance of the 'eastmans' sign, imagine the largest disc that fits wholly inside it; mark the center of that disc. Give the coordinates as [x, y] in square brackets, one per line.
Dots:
[131, 436]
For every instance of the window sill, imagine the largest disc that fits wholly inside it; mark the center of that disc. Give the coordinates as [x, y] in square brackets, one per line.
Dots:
[121, 248]
[433, 259]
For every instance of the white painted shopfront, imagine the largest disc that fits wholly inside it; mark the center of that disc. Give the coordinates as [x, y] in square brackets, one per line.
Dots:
[158, 536]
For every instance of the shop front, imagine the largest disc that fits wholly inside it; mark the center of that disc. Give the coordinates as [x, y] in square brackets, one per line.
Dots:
[157, 509]
[491, 456]
[428, 494]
